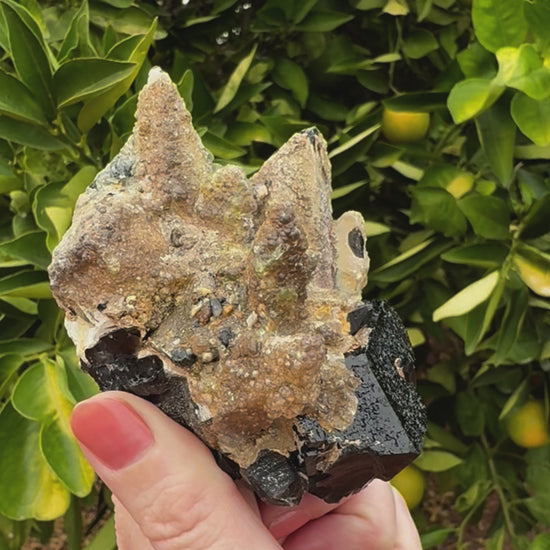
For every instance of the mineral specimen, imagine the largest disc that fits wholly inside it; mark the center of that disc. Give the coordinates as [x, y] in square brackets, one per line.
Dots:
[234, 304]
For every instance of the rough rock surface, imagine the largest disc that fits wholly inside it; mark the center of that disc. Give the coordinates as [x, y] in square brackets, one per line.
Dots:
[235, 305]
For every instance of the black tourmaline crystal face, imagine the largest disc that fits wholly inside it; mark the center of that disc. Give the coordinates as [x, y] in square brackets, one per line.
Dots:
[235, 305]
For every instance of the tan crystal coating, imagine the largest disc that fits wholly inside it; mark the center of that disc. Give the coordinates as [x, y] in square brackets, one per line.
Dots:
[184, 250]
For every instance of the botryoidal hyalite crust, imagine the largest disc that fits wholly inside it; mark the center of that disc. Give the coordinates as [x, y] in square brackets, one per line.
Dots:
[234, 304]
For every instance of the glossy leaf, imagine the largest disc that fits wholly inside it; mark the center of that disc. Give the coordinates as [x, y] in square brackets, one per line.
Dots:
[29, 57]
[537, 13]
[42, 395]
[77, 34]
[410, 261]
[24, 133]
[28, 487]
[470, 97]
[489, 216]
[437, 461]
[499, 23]
[522, 68]
[18, 102]
[533, 267]
[497, 134]
[230, 89]
[533, 118]
[419, 43]
[290, 75]
[468, 298]
[9, 364]
[323, 21]
[489, 255]
[53, 204]
[437, 209]
[84, 78]
[30, 247]
[94, 109]
[26, 284]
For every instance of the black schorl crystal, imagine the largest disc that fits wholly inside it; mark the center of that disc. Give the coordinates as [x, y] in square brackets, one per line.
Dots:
[385, 435]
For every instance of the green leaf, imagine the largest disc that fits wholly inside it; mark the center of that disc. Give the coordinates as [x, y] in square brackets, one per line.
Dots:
[488, 255]
[26, 284]
[489, 216]
[244, 133]
[28, 487]
[532, 118]
[419, 43]
[396, 7]
[17, 101]
[30, 58]
[468, 298]
[94, 109]
[353, 140]
[221, 148]
[438, 210]
[476, 62]
[77, 34]
[84, 78]
[472, 96]
[473, 496]
[290, 76]
[497, 134]
[54, 203]
[340, 192]
[131, 21]
[323, 21]
[522, 68]
[9, 365]
[21, 132]
[518, 397]
[437, 461]
[537, 222]
[533, 267]
[435, 538]
[30, 247]
[469, 413]
[410, 261]
[105, 539]
[499, 23]
[537, 13]
[42, 395]
[230, 89]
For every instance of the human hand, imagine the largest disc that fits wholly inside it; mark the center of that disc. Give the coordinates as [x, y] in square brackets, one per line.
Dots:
[170, 494]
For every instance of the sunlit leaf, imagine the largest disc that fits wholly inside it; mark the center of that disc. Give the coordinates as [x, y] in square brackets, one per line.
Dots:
[28, 487]
[533, 267]
[468, 298]
[42, 395]
[230, 89]
[499, 23]
[83, 78]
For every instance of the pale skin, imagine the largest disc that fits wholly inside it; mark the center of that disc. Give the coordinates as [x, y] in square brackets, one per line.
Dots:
[169, 493]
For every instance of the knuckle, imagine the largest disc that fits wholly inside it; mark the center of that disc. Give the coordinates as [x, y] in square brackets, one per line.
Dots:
[175, 515]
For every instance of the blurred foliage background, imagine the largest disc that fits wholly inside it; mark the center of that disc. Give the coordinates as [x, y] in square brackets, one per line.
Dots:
[437, 119]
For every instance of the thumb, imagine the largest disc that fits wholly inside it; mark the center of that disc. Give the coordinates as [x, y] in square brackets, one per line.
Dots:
[165, 477]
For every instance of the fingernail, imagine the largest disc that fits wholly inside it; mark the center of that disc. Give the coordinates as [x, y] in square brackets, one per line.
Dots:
[111, 431]
[286, 524]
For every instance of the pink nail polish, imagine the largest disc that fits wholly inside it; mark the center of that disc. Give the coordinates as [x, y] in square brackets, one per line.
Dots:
[111, 431]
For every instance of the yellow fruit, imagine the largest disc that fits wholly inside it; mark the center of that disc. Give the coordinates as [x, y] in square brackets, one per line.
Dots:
[528, 425]
[461, 184]
[410, 484]
[403, 126]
